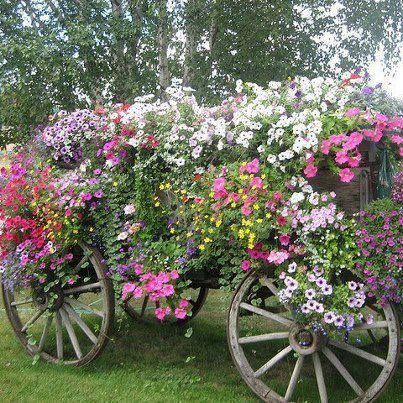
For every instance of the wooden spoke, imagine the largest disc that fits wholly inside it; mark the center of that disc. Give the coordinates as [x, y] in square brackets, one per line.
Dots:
[278, 357]
[144, 305]
[71, 333]
[263, 337]
[268, 282]
[267, 314]
[294, 378]
[83, 288]
[319, 378]
[45, 333]
[82, 261]
[78, 304]
[59, 336]
[27, 301]
[343, 371]
[356, 351]
[73, 314]
[376, 325]
[32, 320]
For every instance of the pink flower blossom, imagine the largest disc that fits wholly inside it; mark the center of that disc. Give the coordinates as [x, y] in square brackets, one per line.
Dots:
[180, 313]
[352, 112]
[310, 170]
[251, 167]
[246, 210]
[184, 303]
[160, 313]
[219, 188]
[284, 239]
[346, 175]
[256, 182]
[278, 257]
[245, 266]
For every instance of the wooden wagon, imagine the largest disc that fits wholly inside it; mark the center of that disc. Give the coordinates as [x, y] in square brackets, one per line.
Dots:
[71, 325]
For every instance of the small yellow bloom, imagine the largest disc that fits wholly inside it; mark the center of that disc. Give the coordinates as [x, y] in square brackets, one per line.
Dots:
[259, 220]
[172, 231]
[211, 231]
[211, 194]
[202, 247]
[218, 223]
[115, 184]
[189, 234]
[208, 240]
[157, 204]
[233, 204]
[268, 215]
[162, 187]
[256, 207]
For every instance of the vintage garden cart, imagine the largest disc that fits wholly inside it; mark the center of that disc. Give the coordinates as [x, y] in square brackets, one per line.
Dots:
[269, 348]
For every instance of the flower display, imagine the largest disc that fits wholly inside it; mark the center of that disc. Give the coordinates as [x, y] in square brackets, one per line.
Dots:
[171, 189]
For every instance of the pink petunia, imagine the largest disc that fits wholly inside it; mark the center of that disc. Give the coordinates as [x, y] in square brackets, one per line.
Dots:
[256, 182]
[245, 266]
[184, 303]
[346, 175]
[284, 239]
[325, 147]
[180, 313]
[341, 157]
[251, 167]
[352, 112]
[246, 210]
[310, 170]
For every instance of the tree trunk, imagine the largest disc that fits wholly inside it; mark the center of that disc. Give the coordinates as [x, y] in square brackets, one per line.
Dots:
[190, 43]
[162, 40]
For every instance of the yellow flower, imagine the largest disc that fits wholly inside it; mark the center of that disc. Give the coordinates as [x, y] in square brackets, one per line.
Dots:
[168, 186]
[157, 204]
[218, 223]
[233, 204]
[203, 231]
[183, 191]
[263, 176]
[208, 240]
[243, 177]
[211, 231]
[256, 207]
[189, 234]
[212, 219]
[211, 194]
[115, 184]
[259, 220]
[268, 215]
[172, 231]
[202, 247]
[162, 187]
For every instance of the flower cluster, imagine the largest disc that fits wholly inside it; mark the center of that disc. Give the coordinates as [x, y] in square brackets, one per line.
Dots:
[36, 225]
[381, 242]
[68, 131]
[162, 190]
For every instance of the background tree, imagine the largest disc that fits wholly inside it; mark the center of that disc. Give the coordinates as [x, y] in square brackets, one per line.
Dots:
[74, 53]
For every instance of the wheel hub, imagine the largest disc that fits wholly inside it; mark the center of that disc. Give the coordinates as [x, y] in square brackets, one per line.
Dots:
[52, 299]
[305, 341]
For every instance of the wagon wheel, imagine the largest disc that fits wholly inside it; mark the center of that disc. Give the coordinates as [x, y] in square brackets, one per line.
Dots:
[142, 309]
[273, 352]
[70, 324]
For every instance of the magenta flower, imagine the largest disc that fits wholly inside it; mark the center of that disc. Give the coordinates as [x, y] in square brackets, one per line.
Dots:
[346, 175]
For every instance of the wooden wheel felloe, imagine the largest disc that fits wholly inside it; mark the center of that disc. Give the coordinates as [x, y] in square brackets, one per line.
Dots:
[273, 352]
[70, 324]
[142, 310]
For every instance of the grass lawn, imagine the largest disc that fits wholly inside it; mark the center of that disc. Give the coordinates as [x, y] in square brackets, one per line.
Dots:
[149, 363]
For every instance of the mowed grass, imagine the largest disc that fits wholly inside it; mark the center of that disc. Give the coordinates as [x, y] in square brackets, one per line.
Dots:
[151, 363]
